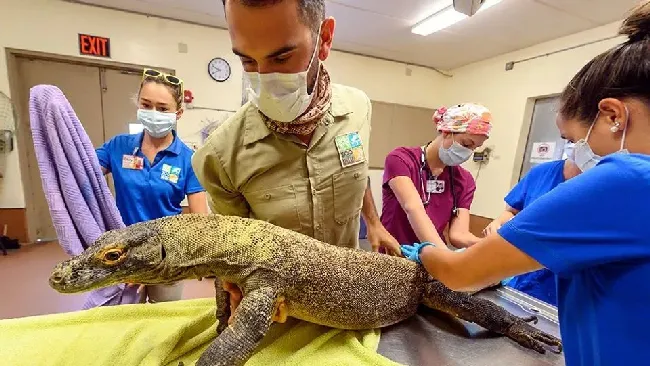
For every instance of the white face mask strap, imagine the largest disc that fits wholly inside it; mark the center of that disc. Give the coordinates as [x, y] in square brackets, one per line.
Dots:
[627, 120]
[315, 53]
[592, 126]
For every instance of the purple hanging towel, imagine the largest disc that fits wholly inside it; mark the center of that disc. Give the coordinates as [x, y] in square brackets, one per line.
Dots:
[81, 205]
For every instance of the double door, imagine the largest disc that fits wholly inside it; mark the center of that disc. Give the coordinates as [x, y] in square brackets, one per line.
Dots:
[104, 100]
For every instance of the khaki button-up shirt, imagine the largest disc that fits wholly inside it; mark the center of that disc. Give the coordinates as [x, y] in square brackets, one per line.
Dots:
[251, 171]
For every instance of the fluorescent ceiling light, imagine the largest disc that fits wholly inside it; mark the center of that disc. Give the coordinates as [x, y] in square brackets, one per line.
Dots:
[438, 21]
[445, 18]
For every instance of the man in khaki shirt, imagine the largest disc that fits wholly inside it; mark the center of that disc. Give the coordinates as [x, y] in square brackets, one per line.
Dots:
[251, 171]
[296, 154]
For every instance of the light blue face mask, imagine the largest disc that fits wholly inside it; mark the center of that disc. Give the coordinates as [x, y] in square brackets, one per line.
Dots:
[455, 155]
[584, 157]
[157, 124]
[569, 151]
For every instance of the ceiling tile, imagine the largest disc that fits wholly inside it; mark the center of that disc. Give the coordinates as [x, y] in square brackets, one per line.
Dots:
[212, 7]
[476, 38]
[409, 10]
[382, 28]
[599, 11]
[520, 23]
[171, 9]
[360, 26]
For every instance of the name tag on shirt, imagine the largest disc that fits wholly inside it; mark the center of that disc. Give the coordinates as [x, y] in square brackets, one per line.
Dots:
[170, 173]
[435, 186]
[350, 149]
[132, 162]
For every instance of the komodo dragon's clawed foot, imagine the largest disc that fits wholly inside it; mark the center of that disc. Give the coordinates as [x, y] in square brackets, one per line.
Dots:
[533, 338]
[490, 316]
[238, 341]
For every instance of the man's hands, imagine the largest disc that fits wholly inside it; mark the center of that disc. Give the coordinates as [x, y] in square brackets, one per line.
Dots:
[235, 297]
[379, 237]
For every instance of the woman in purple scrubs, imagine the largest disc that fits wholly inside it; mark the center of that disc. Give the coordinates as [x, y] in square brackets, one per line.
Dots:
[425, 188]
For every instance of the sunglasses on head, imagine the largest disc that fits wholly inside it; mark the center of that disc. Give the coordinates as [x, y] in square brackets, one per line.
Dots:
[155, 74]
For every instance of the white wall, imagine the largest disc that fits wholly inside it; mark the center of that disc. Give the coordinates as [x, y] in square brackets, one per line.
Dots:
[507, 93]
[52, 26]
[510, 96]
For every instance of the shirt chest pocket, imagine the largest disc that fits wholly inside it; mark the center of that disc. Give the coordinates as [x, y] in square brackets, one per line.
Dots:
[349, 187]
[276, 205]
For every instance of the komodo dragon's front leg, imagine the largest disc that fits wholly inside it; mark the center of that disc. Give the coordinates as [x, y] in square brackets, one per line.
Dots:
[238, 341]
[488, 315]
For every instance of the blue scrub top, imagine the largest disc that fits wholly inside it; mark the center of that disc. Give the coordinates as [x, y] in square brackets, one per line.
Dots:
[156, 190]
[592, 232]
[540, 180]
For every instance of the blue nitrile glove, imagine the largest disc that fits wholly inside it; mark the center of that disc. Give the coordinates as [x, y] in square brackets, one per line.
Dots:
[412, 252]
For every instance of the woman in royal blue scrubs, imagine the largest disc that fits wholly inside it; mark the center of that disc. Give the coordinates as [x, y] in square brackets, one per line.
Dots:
[591, 231]
[540, 180]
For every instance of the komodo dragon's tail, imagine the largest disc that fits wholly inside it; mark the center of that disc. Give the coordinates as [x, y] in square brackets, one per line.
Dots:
[488, 315]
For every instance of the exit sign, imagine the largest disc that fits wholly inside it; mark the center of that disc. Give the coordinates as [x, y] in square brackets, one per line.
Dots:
[94, 46]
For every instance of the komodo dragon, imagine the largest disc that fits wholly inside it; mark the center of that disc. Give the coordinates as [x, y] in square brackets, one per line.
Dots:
[281, 273]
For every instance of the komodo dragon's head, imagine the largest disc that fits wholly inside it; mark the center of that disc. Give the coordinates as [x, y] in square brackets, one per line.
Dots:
[167, 250]
[132, 254]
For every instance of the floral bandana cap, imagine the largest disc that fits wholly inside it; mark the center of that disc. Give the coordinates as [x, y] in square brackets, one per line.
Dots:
[469, 118]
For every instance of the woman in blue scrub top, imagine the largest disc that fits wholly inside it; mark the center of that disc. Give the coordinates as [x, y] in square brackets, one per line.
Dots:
[540, 180]
[591, 231]
[152, 170]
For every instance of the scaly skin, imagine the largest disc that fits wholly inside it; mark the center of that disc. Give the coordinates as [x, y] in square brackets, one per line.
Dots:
[281, 273]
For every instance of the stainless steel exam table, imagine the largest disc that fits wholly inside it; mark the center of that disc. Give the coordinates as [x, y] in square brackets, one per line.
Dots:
[432, 338]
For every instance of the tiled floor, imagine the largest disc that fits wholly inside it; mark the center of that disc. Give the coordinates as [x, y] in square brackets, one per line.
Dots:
[24, 289]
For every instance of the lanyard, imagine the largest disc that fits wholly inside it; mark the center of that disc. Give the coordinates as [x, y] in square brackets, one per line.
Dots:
[425, 175]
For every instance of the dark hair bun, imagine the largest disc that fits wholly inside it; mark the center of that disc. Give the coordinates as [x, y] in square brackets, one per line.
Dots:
[637, 25]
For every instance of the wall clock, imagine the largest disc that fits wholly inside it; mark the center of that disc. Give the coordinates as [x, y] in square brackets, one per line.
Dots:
[219, 69]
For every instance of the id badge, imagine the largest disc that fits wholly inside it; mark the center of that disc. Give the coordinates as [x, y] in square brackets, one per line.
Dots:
[132, 162]
[350, 149]
[436, 186]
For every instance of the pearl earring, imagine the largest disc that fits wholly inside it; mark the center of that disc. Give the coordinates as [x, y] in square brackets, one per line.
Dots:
[616, 127]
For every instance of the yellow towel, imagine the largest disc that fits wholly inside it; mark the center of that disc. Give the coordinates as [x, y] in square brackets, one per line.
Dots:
[166, 333]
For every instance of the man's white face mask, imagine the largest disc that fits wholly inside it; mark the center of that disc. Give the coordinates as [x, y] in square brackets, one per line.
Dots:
[282, 97]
